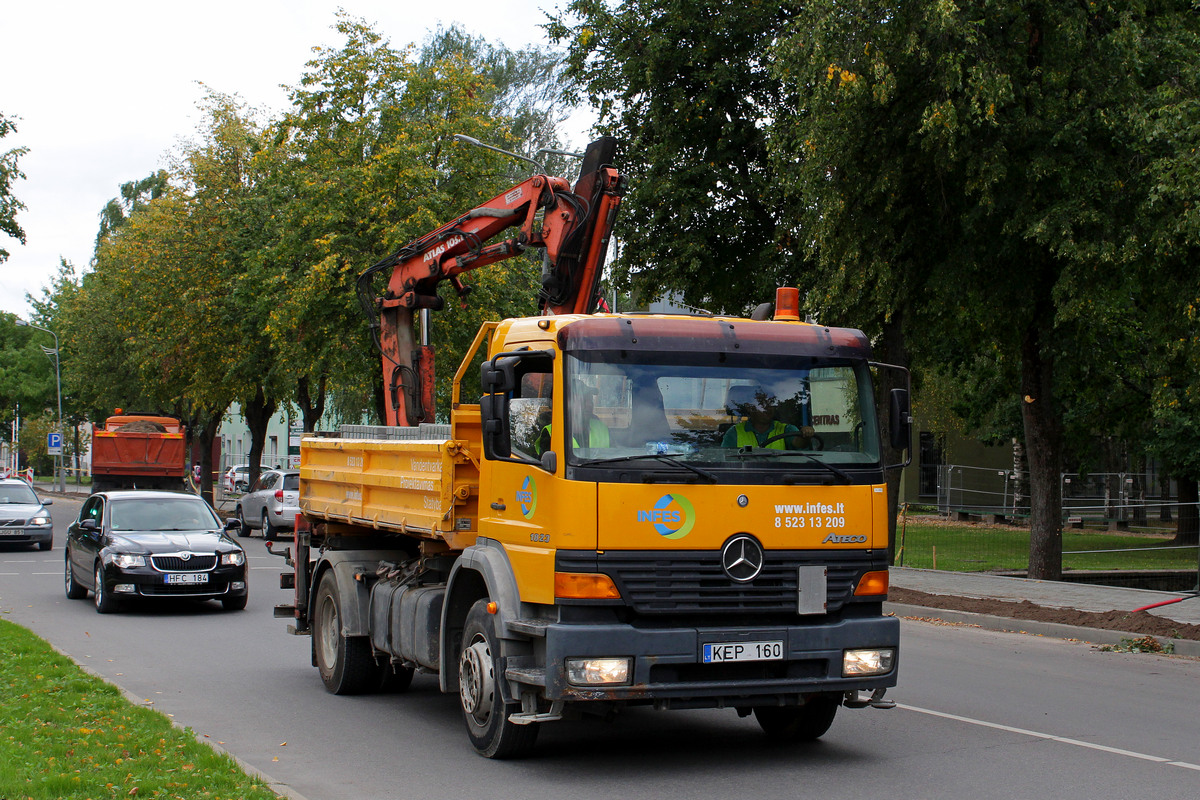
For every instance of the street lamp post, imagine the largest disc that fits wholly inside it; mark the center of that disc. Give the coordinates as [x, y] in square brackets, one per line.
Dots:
[62, 487]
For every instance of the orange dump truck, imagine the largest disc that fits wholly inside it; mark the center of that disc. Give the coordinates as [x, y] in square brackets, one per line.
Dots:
[139, 451]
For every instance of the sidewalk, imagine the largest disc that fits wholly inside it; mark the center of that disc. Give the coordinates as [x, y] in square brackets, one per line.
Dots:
[1053, 594]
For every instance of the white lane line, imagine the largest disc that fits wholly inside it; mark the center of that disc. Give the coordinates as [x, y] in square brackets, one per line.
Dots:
[1051, 737]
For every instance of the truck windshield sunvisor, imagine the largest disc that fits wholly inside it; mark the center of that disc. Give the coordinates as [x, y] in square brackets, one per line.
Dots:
[722, 335]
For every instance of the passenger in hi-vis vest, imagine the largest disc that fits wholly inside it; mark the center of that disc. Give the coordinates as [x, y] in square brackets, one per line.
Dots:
[586, 428]
[760, 428]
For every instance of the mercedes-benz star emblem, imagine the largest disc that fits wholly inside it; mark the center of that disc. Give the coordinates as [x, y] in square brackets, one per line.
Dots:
[742, 558]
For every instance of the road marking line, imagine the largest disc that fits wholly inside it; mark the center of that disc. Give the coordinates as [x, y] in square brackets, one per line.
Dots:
[1051, 737]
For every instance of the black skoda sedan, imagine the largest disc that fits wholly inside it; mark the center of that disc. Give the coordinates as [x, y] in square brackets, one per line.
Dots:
[153, 544]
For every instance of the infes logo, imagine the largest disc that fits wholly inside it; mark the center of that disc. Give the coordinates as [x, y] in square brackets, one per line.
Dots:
[527, 497]
[672, 516]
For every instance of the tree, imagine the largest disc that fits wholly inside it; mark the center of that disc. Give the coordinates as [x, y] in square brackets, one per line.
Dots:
[364, 162]
[9, 173]
[978, 164]
[686, 86]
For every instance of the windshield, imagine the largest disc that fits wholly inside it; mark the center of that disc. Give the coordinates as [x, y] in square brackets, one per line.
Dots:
[18, 494]
[162, 514]
[720, 410]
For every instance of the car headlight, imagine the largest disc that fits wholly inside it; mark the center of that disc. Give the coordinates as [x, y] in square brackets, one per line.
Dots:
[235, 559]
[125, 560]
[40, 519]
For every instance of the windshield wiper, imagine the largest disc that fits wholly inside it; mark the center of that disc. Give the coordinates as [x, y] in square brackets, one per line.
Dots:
[750, 452]
[667, 459]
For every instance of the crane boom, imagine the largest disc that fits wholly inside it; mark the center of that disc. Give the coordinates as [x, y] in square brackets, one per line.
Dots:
[574, 228]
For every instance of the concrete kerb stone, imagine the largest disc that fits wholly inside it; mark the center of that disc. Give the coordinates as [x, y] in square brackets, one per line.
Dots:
[1097, 636]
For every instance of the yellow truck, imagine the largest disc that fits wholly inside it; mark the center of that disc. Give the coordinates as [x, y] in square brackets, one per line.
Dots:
[624, 509]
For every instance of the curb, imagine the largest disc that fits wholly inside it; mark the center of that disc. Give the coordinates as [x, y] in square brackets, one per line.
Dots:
[1182, 647]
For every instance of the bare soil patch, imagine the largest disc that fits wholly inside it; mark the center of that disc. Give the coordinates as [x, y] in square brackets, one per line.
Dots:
[1140, 622]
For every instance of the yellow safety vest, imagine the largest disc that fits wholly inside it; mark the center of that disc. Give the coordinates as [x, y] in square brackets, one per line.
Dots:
[597, 434]
[747, 437]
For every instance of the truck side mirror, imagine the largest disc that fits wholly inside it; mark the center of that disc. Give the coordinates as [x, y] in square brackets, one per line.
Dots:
[493, 412]
[900, 420]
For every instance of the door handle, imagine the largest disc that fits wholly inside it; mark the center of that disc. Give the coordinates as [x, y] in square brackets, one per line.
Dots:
[499, 506]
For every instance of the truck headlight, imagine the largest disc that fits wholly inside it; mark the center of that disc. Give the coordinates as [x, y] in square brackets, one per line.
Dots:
[597, 671]
[125, 560]
[235, 559]
[856, 663]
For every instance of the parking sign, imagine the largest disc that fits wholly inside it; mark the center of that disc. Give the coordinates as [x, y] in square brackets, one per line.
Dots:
[54, 444]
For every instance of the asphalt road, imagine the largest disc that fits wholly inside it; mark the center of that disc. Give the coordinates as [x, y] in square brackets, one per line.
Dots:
[982, 714]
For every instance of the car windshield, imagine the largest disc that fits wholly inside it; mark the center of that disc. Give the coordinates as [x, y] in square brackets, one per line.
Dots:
[18, 493]
[721, 411]
[162, 514]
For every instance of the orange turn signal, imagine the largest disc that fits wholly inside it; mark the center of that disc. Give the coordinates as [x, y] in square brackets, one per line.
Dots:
[584, 586]
[873, 583]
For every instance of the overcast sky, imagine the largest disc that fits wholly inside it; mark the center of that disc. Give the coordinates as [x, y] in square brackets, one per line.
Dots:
[104, 89]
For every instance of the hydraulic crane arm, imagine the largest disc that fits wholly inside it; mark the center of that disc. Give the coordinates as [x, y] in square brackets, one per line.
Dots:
[573, 228]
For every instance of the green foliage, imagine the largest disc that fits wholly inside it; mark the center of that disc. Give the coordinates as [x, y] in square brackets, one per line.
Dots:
[69, 735]
[10, 172]
[686, 86]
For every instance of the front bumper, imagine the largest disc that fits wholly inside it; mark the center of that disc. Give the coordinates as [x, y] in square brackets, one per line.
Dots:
[27, 534]
[668, 667]
[221, 581]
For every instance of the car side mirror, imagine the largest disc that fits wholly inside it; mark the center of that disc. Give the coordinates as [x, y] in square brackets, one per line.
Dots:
[47, 502]
[232, 524]
[89, 525]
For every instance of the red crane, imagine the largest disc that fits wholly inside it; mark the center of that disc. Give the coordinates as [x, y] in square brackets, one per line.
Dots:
[572, 225]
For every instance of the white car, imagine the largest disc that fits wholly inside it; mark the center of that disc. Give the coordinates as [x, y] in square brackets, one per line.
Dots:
[271, 503]
[236, 479]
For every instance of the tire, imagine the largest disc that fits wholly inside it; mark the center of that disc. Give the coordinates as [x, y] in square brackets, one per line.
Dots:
[243, 529]
[105, 602]
[74, 590]
[267, 528]
[235, 602]
[46, 545]
[345, 662]
[799, 723]
[485, 713]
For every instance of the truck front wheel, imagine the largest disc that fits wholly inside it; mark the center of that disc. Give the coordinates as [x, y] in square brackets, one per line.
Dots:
[484, 710]
[345, 662]
[799, 723]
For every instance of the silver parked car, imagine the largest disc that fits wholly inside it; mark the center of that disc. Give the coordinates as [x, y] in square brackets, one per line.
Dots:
[23, 515]
[271, 504]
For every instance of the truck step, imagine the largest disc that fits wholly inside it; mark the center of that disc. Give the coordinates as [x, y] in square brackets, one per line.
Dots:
[534, 676]
[288, 612]
[529, 627]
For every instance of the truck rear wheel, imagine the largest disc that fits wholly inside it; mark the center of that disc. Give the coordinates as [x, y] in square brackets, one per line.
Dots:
[484, 710]
[799, 723]
[345, 662]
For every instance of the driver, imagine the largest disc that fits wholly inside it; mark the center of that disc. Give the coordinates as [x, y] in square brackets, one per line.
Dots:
[761, 428]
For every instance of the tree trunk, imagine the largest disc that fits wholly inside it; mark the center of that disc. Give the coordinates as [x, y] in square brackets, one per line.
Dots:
[210, 426]
[1043, 442]
[1187, 530]
[257, 413]
[1164, 497]
[310, 409]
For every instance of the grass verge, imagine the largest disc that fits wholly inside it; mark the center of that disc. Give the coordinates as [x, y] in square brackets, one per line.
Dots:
[67, 734]
[983, 549]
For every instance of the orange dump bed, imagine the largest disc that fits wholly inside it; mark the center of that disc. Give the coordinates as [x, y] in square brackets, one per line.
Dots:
[140, 446]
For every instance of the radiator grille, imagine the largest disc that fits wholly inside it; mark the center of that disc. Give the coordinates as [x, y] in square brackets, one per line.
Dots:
[684, 582]
[197, 563]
